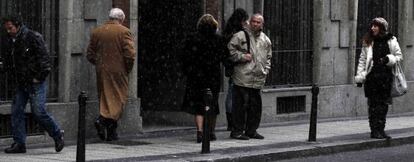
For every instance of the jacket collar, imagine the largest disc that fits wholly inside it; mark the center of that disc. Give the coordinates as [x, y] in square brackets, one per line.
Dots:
[112, 22]
[255, 35]
[20, 34]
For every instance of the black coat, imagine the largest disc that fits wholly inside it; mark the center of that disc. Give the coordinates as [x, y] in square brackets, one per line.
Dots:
[26, 58]
[378, 81]
[203, 54]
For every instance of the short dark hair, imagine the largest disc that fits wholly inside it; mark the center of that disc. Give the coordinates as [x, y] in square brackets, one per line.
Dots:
[15, 20]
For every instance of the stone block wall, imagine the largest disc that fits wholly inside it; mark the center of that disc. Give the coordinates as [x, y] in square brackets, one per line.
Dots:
[77, 19]
[334, 60]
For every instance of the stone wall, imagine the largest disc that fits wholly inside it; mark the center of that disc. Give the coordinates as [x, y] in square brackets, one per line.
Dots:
[334, 50]
[335, 30]
[77, 19]
[334, 61]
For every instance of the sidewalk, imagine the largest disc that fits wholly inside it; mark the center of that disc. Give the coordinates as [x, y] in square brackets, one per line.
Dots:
[281, 142]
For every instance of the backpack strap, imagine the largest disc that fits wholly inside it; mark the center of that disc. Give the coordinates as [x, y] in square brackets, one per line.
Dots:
[247, 40]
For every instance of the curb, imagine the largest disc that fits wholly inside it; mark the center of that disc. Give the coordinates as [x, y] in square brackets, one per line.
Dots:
[275, 152]
[312, 150]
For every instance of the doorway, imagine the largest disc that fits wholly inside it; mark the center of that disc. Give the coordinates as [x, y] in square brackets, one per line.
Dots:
[163, 26]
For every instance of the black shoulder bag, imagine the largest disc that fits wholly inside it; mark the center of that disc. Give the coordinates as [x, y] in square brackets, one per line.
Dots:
[228, 64]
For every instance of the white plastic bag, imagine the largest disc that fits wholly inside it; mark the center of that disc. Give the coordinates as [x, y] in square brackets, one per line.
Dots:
[399, 84]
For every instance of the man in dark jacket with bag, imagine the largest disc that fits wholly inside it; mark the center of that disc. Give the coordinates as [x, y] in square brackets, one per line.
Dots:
[26, 59]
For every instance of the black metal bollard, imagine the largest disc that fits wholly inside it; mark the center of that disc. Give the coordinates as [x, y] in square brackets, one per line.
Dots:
[1, 65]
[314, 113]
[80, 149]
[205, 145]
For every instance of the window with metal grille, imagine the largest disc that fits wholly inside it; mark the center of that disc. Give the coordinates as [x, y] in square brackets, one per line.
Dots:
[32, 127]
[43, 17]
[289, 25]
[291, 104]
[369, 9]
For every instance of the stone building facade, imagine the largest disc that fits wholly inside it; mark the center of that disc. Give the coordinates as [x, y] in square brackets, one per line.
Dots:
[70, 22]
[315, 42]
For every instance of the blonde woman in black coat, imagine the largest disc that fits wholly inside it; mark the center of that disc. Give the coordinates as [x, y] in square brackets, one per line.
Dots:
[203, 53]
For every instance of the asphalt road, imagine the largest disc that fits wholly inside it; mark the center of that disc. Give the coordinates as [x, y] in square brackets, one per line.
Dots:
[403, 153]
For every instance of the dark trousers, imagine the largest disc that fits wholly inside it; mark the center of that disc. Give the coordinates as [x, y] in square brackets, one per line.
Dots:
[229, 96]
[247, 110]
[36, 94]
[377, 113]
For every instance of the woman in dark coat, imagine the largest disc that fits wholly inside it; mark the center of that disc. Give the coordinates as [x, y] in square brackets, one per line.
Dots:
[236, 23]
[204, 52]
[379, 54]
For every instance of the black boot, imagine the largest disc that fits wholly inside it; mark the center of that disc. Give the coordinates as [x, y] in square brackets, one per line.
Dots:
[385, 135]
[229, 122]
[382, 132]
[213, 137]
[383, 120]
[199, 136]
[373, 120]
[212, 128]
[377, 131]
[112, 134]
[376, 135]
[16, 148]
[100, 125]
[59, 142]
[377, 117]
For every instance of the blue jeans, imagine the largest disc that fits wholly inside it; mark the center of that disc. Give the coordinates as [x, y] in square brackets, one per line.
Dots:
[229, 97]
[36, 94]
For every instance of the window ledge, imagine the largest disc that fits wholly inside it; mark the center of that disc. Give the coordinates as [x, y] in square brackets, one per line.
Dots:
[289, 89]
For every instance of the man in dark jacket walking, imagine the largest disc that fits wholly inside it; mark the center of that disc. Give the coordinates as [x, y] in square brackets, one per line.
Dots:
[26, 59]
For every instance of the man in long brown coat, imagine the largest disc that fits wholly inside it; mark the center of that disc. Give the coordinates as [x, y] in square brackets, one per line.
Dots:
[111, 50]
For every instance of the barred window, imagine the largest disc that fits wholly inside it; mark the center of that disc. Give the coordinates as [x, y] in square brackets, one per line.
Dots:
[369, 9]
[288, 23]
[43, 17]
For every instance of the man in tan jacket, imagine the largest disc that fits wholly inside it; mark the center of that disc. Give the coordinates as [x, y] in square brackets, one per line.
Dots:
[111, 50]
[249, 77]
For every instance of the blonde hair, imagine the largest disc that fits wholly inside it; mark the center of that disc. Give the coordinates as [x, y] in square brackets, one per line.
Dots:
[207, 21]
